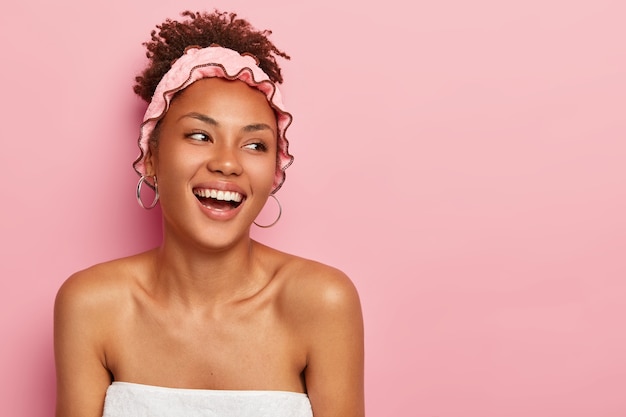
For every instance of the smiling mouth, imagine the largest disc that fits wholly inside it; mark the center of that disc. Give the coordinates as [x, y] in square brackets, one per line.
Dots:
[217, 199]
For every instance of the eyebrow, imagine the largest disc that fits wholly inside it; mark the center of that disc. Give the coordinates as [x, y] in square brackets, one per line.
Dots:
[254, 127]
[258, 126]
[199, 116]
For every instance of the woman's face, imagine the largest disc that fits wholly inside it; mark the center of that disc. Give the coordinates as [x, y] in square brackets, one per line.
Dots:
[215, 161]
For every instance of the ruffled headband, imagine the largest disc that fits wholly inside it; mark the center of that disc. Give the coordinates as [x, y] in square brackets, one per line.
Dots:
[215, 61]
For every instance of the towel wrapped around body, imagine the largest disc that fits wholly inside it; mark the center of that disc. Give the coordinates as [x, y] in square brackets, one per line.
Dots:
[124, 399]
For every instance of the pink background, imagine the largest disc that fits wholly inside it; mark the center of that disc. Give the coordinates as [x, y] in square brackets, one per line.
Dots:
[462, 161]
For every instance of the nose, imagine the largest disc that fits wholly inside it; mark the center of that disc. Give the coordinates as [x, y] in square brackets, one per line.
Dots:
[224, 159]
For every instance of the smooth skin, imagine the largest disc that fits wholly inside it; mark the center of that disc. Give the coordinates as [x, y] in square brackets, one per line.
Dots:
[211, 308]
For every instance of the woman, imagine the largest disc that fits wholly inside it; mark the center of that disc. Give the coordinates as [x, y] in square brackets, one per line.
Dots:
[210, 323]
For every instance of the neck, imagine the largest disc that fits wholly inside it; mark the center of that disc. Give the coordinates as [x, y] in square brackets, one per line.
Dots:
[203, 277]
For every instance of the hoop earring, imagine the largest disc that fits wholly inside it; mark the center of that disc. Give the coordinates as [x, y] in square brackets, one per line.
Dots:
[280, 212]
[156, 192]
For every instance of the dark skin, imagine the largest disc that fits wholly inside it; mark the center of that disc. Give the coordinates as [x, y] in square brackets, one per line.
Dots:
[211, 308]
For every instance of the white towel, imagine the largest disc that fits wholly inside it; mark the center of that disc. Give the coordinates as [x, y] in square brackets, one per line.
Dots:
[124, 399]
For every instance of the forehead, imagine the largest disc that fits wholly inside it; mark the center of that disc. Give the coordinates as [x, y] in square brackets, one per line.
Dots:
[221, 96]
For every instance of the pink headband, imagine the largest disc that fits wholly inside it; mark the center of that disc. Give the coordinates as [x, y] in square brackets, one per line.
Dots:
[215, 61]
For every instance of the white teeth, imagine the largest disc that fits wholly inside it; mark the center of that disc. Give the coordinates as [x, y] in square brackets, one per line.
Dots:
[219, 195]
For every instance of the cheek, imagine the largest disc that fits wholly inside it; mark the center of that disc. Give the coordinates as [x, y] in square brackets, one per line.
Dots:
[173, 157]
[262, 171]
[173, 167]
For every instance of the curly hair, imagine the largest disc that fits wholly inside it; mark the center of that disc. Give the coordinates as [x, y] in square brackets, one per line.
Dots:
[204, 29]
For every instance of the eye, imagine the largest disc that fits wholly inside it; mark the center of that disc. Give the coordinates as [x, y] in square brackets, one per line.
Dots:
[256, 146]
[199, 136]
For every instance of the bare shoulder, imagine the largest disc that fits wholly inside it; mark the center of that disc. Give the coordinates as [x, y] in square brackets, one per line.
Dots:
[99, 286]
[323, 306]
[312, 290]
[92, 283]
[87, 307]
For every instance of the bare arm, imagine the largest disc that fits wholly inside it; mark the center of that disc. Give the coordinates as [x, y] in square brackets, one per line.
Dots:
[82, 378]
[334, 373]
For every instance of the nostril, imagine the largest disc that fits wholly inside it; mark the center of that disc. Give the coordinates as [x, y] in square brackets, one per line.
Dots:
[224, 162]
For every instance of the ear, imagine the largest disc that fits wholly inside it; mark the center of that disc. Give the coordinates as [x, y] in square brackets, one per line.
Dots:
[150, 162]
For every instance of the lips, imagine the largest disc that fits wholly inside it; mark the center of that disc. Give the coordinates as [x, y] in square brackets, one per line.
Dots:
[219, 200]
